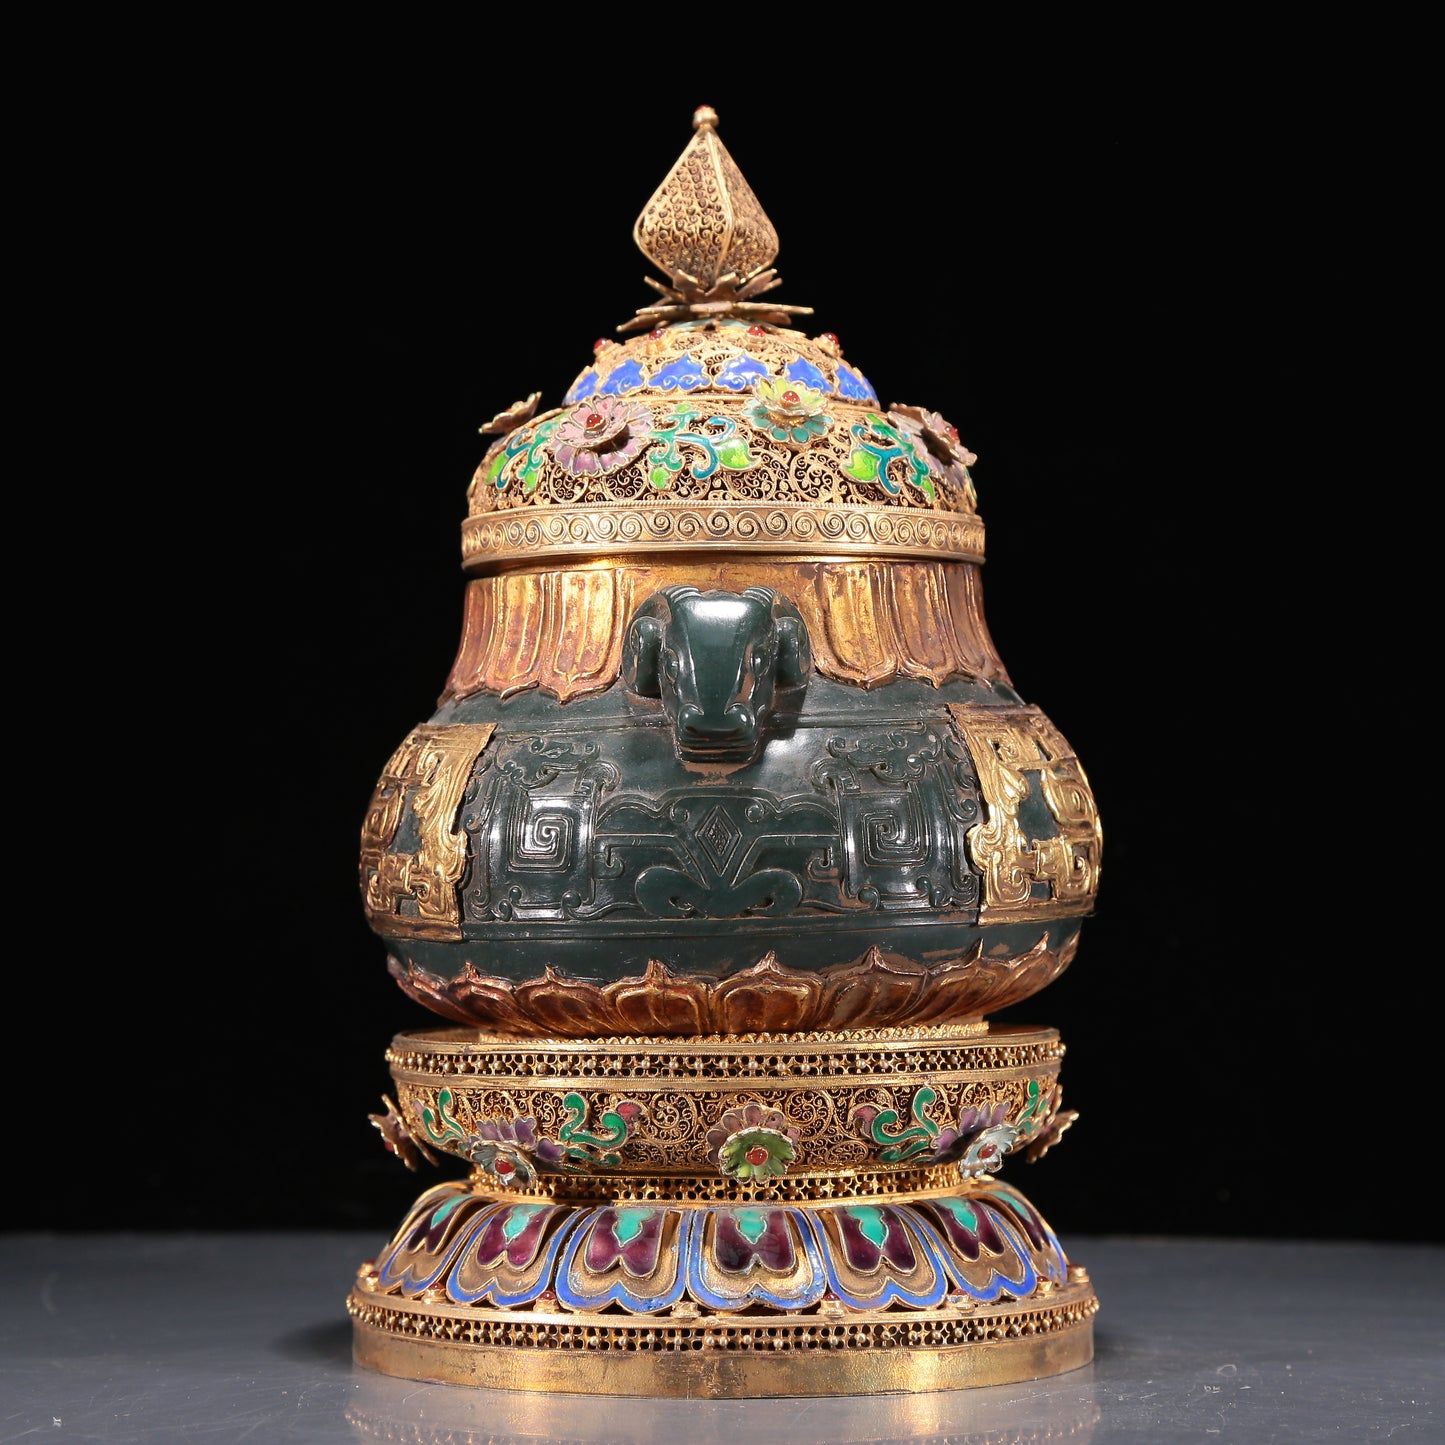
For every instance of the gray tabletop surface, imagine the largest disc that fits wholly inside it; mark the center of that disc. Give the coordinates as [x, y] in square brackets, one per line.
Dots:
[244, 1337]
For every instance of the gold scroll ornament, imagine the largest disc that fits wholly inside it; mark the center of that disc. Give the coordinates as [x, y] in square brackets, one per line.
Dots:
[1008, 744]
[432, 767]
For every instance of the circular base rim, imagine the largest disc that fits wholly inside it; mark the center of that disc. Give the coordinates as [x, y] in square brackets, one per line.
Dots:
[721, 1373]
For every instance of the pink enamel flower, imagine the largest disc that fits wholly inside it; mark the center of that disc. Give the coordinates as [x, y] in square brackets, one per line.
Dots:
[936, 441]
[753, 1143]
[600, 435]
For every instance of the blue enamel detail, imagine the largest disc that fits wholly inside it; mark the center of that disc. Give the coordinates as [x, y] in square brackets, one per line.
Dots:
[617, 1291]
[499, 1297]
[627, 377]
[407, 1279]
[585, 385]
[740, 373]
[998, 1281]
[854, 385]
[802, 370]
[684, 374]
[1058, 1263]
[814, 1291]
[926, 1243]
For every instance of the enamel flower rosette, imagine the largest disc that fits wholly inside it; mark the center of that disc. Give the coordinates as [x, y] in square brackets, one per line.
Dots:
[726, 838]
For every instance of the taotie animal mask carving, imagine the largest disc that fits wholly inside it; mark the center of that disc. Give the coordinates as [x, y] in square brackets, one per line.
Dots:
[716, 659]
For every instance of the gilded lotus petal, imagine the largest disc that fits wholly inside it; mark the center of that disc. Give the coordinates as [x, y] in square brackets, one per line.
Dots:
[556, 1002]
[875, 990]
[766, 998]
[661, 1003]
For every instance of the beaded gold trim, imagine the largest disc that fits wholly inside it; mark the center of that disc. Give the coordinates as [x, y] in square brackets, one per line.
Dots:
[460, 1052]
[800, 1188]
[1075, 1305]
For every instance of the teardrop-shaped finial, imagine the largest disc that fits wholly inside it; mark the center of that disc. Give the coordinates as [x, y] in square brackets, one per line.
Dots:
[703, 221]
[707, 232]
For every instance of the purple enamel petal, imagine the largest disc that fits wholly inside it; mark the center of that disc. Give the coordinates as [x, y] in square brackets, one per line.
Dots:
[773, 1248]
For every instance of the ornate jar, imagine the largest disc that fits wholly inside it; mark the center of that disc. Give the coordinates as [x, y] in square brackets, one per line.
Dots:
[726, 837]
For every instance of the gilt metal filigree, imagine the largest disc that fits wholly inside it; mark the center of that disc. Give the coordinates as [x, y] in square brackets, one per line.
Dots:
[726, 838]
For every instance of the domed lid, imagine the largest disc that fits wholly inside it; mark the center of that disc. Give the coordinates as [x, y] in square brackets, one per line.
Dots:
[721, 427]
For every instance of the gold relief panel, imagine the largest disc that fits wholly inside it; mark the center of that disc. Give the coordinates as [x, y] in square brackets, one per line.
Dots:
[1014, 750]
[428, 772]
[561, 631]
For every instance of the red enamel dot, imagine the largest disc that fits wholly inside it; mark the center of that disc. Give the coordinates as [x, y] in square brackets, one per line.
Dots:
[790, 398]
[504, 1166]
[599, 343]
[988, 1151]
[592, 421]
[656, 335]
[831, 336]
[757, 331]
[757, 1155]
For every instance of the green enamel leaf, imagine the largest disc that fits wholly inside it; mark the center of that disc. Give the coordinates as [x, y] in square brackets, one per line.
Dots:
[871, 1224]
[962, 1211]
[446, 1209]
[882, 1121]
[660, 477]
[441, 1115]
[498, 463]
[910, 1144]
[519, 1218]
[629, 1224]
[734, 454]
[751, 1223]
[862, 466]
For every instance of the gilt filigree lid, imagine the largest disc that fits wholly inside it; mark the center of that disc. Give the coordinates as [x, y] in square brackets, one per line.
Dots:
[722, 425]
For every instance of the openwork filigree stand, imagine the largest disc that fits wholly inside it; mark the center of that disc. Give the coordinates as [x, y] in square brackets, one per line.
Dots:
[726, 837]
[794, 1215]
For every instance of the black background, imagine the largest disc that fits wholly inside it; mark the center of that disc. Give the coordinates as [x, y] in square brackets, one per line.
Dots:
[1149, 306]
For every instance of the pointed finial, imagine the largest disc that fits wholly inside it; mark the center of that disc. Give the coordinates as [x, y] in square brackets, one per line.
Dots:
[704, 221]
[706, 231]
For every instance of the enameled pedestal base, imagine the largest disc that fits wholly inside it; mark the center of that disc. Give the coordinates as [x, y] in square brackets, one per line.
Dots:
[784, 1214]
[935, 1291]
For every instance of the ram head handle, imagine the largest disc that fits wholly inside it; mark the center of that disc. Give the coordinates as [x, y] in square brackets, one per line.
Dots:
[716, 659]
